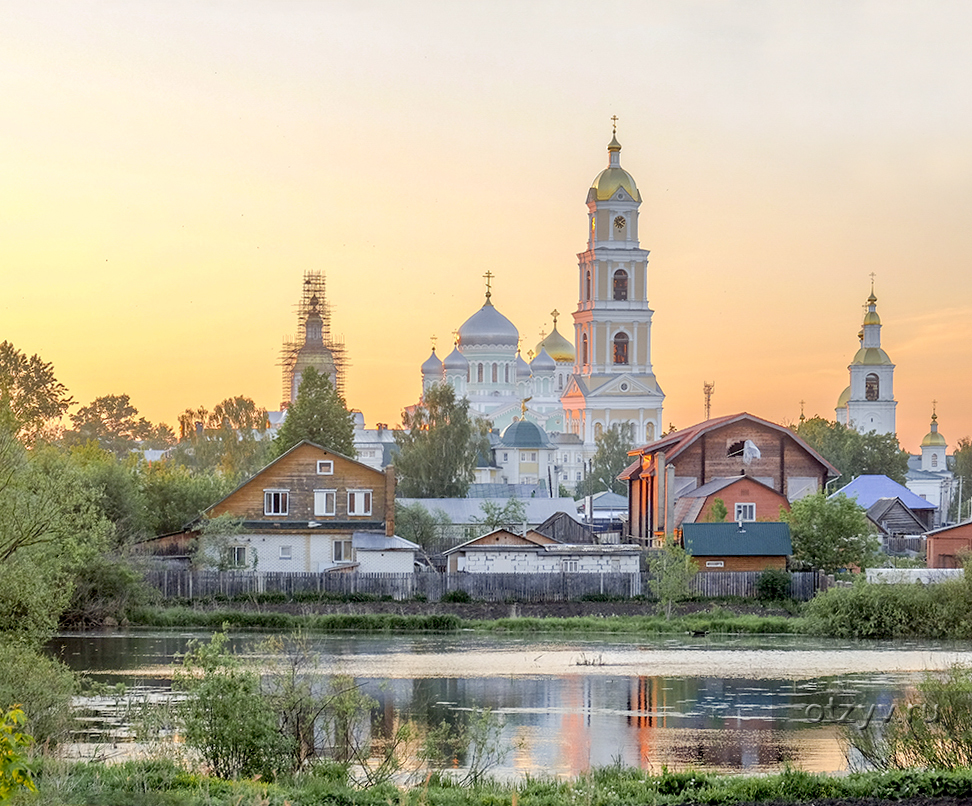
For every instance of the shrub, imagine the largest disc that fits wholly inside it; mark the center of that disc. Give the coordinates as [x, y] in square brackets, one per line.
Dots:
[43, 688]
[773, 585]
[456, 597]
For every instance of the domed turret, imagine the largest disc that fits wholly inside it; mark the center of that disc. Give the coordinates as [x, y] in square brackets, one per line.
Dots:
[523, 371]
[557, 347]
[488, 328]
[524, 434]
[313, 353]
[432, 366]
[542, 362]
[933, 438]
[608, 181]
[455, 362]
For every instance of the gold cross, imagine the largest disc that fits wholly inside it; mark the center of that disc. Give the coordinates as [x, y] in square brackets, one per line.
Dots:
[489, 276]
[434, 338]
[614, 128]
[455, 336]
[934, 405]
[555, 313]
[543, 334]
[801, 410]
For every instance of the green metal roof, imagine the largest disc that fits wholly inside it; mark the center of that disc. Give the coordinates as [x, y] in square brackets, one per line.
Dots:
[746, 539]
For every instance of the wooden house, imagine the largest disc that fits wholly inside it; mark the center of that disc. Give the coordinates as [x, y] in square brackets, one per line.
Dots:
[745, 498]
[949, 546]
[724, 447]
[738, 546]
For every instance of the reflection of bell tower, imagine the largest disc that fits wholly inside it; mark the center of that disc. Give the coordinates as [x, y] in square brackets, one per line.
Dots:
[868, 404]
[613, 379]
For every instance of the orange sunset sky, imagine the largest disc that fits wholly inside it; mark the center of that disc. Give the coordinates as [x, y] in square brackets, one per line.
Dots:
[169, 170]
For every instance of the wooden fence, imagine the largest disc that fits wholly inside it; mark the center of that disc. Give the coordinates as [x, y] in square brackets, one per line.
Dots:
[431, 586]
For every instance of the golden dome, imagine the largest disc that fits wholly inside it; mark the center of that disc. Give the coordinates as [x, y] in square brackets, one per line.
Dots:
[872, 318]
[871, 356]
[557, 347]
[610, 179]
[933, 439]
[844, 398]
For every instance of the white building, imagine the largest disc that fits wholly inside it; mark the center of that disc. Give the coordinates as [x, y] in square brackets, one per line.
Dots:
[928, 475]
[868, 404]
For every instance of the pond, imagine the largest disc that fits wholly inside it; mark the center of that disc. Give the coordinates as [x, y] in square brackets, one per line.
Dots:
[725, 703]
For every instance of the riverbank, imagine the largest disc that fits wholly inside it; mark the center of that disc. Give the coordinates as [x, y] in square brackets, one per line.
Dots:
[381, 616]
[157, 782]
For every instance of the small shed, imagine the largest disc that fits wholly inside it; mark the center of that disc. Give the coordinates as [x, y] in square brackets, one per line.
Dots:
[376, 553]
[947, 547]
[755, 546]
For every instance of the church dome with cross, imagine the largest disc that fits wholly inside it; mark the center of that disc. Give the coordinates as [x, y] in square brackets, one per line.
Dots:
[557, 347]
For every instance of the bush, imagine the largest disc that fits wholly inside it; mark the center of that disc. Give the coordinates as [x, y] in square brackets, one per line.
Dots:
[43, 688]
[456, 597]
[773, 585]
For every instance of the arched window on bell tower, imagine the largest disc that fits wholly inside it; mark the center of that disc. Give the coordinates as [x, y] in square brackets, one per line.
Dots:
[872, 387]
[620, 284]
[621, 348]
[585, 358]
[587, 286]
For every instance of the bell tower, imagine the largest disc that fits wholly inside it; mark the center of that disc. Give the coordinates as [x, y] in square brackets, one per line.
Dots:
[613, 380]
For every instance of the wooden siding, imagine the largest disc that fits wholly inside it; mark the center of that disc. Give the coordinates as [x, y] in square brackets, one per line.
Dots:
[741, 563]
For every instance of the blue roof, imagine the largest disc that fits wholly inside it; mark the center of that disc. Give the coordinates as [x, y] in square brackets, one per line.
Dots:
[746, 539]
[867, 490]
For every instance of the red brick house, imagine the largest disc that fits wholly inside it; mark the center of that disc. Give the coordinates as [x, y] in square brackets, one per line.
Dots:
[724, 447]
[947, 547]
[746, 499]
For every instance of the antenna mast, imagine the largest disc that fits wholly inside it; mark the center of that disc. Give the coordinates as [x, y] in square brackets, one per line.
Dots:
[707, 390]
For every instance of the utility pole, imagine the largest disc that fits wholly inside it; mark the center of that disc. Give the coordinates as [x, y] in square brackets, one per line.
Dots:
[707, 390]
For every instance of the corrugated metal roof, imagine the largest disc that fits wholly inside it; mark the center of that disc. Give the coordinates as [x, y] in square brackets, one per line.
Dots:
[751, 538]
[868, 489]
[374, 541]
[470, 510]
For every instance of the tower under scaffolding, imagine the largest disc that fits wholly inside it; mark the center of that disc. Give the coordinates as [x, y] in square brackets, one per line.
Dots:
[313, 297]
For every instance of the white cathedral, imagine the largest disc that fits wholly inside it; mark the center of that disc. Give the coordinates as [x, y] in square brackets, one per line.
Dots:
[574, 389]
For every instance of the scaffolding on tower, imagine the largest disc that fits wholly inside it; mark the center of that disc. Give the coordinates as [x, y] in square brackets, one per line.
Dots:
[313, 290]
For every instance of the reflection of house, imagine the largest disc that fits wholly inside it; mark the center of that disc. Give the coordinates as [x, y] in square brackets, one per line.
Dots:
[306, 510]
[868, 490]
[725, 447]
[745, 499]
[504, 552]
[738, 546]
[948, 547]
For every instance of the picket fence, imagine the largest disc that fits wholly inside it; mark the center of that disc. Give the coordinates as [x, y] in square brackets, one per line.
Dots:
[431, 586]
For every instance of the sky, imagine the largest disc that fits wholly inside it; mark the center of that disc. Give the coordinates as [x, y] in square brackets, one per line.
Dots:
[169, 170]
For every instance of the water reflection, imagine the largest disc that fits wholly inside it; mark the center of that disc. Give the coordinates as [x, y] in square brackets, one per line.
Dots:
[566, 717]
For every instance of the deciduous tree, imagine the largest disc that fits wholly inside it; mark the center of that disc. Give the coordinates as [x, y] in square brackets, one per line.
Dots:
[439, 446]
[830, 533]
[113, 422]
[672, 570]
[852, 453]
[610, 458]
[30, 393]
[318, 414]
[228, 439]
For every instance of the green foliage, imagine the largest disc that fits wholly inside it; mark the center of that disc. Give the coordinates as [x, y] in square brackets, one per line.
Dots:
[216, 536]
[963, 470]
[224, 716]
[830, 533]
[414, 522]
[110, 422]
[174, 495]
[318, 414]
[116, 490]
[439, 446]
[672, 570]
[105, 588]
[931, 730]
[228, 440]
[43, 688]
[852, 453]
[32, 400]
[15, 768]
[773, 585]
[510, 516]
[610, 458]
[718, 512]
[457, 596]
[187, 617]
[872, 610]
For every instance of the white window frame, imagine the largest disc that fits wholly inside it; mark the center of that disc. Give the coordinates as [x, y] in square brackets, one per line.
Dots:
[715, 564]
[745, 512]
[282, 499]
[236, 556]
[342, 548]
[286, 553]
[325, 467]
[329, 496]
[366, 499]
[569, 566]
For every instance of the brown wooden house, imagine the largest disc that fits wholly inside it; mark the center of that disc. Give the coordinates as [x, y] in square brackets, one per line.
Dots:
[724, 447]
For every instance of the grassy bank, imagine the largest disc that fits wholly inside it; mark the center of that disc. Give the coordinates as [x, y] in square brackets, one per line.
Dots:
[716, 620]
[159, 782]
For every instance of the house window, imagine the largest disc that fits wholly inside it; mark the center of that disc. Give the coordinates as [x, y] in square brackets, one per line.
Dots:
[286, 552]
[745, 512]
[533, 456]
[342, 551]
[325, 502]
[236, 556]
[736, 449]
[620, 284]
[715, 564]
[276, 502]
[359, 502]
[325, 467]
[872, 387]
[506, 457]
[621, 348]
[570, 566]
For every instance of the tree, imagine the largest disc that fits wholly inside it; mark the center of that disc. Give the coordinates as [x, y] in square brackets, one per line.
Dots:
[718, 512]
[509, 516]
[414, 522]
[174, 495]
[30, 393]
[16, 771]
[963, 471]
[672, 570]
[228, 439]
[439, 446]
[830, 533]
[318, 414]
[852, 453]
[610, 458]
[111, 422]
